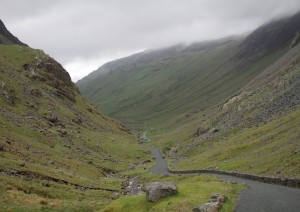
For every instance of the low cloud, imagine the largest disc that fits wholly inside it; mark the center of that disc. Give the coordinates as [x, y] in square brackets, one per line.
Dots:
[83, 35]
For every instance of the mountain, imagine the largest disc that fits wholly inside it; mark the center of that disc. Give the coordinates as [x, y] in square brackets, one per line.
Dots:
[147, 57]
[231, 104]
[168, 81]
[256, 130]
[271, 37]
[56, 149]
[158, 86]
[7, 38]
[59, 153]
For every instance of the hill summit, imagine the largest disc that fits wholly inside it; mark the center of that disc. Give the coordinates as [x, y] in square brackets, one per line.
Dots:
[7, 38]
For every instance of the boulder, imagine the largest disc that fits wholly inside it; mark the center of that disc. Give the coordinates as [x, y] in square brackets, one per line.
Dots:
[214, 204]
[30, 68]
[208, 207]
[200, 131]
[217, 197]
[157, 190]
[62, 131]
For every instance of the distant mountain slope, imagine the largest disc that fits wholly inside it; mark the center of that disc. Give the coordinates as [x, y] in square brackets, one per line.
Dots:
[271, 37]
[152, 85]
[56, 149]
[159, 86]
[254, 131]
[7, 38]
[148, 56]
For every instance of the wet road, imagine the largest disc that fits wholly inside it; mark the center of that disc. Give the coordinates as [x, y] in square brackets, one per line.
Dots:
[258, 197]
[161, 166]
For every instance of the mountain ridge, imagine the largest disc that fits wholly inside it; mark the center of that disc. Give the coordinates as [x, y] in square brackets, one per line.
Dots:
[7, 38]
[186, 79]
[215, 109]
[201, 105]
[152, 54]
[270, 37]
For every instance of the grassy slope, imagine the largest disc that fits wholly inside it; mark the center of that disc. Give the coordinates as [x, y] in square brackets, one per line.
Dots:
[159, 91]
[85, 154]
[192, 192]
[145, 93]
[271, 149]
[80, 152]
[256, 131]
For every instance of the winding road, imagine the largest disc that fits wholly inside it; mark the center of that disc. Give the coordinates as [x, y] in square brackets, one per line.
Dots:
[258, 197]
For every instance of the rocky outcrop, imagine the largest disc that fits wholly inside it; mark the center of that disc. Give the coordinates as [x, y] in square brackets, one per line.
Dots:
[217, 197]
[30, 68]
[49, 71]
[214, 204]
[200, 131]
[133, 186]
[157, 190]
[7, 93]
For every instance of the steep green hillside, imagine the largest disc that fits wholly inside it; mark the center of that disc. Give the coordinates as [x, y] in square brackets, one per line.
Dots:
[230, 105]
[160, 89]
[158, 86]
[53, 143]
[59, 153]
[254, 131]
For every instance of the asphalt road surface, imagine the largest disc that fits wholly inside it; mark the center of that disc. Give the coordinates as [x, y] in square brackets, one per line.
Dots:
[258, 197]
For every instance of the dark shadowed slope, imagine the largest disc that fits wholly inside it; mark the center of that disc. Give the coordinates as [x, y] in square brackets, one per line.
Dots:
[7, 38]
[271, 37]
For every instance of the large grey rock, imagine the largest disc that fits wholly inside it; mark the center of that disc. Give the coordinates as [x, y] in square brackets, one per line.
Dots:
[157, 190]
[214, 204]
[217, 197]
[208, 207]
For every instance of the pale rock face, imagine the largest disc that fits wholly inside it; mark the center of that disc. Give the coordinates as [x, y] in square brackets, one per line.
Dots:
[214, 204]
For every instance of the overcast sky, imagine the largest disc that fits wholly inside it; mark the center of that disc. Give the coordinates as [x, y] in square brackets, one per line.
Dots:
[84, 34]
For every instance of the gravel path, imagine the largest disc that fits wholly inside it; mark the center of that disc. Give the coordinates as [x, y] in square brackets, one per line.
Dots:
[258, 197]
